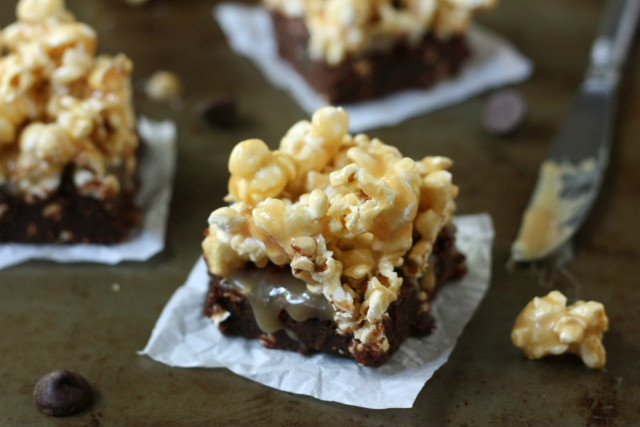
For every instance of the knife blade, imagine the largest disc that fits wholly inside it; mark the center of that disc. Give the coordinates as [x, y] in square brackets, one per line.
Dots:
[570, 177]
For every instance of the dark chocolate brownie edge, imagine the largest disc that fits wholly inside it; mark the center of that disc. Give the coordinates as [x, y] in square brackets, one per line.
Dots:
[372, 75]
[67, 216]
[321, 335]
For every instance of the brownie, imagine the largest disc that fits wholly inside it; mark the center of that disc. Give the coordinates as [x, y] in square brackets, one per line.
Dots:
[69, 148]
[370, 74]
[320, 334]
[331, 242]
[67, 216]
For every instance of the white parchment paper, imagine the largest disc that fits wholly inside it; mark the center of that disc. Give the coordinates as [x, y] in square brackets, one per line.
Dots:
[495, 62]
[157, 169]
[183, 337]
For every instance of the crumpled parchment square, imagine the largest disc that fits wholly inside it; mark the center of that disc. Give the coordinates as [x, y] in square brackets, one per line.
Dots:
[184, 337]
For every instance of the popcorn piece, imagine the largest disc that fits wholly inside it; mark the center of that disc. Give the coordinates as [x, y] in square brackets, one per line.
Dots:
[37, 10]
[136, 2]
[547, 326]
[164, 86]
[341, 210]
[343, 27]
[257, 173]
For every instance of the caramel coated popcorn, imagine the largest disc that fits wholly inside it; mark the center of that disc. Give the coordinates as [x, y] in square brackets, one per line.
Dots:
[343, 211]
[136, 2]
[547, 326]
[61, 104]
[341, 27]
[164, 86]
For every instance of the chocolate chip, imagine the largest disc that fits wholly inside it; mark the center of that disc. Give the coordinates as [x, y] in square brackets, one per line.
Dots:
[220, 111]
[61, 393]
[504, 112]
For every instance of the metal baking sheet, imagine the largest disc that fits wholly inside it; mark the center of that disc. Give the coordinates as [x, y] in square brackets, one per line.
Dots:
[94, 318]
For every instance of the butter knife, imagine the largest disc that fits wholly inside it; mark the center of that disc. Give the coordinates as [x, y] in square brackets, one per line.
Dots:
[570, 177]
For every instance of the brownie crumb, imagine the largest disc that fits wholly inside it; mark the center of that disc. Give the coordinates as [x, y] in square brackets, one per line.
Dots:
[601, 413]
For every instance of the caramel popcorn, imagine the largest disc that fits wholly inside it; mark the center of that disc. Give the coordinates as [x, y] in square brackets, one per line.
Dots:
[136, 2]
[547, 326]
[61, 104]
[341, 27]
[164, 86]
[343, 211]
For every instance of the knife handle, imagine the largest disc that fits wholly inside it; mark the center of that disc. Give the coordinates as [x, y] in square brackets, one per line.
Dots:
[610, 49]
